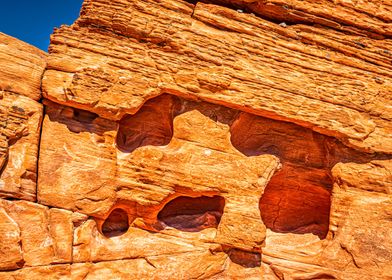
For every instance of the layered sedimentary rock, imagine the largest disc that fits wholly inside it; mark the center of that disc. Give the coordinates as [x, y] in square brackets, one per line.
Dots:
[21, 70]
[188, 140]
[225, 57]
[22, 67]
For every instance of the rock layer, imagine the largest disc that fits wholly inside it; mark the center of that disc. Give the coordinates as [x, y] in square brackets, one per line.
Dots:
[225, 139]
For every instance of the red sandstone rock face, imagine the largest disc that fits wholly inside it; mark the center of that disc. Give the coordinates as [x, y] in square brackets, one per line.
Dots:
[183, 140]
[21, 71]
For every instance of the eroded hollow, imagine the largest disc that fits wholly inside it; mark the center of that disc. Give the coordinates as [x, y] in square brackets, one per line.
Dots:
[244, 258]
[298, 197]
[292, 203]
[151, 125]
[116, 224]
[193, 214]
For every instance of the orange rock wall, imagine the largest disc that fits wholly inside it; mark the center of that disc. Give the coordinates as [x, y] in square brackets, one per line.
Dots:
[225, 139]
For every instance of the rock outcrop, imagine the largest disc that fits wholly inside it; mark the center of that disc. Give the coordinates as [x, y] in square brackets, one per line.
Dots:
[226, 139]
[21, 71]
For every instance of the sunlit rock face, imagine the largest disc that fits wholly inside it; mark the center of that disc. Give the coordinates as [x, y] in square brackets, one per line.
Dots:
[21, 70]
[182, 140]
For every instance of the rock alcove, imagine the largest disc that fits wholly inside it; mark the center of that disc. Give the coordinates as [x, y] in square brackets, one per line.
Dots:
[193, 213]
[116, 224]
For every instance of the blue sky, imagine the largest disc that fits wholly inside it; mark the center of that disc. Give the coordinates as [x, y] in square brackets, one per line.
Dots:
[33, 21]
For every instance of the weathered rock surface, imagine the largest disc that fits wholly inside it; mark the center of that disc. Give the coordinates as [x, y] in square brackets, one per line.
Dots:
[22, 67]
[20, 125]
[21, 70]
[371, 18]
[159, 157]
[143, 178]
[40, 235]
[125, 52]
[232, 139]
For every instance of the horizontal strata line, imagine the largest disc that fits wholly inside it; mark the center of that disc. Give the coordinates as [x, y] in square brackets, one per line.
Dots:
[248, 9]
[100, 26]
[348, 9]
[69, 264]
[292, 260]
[35, 266]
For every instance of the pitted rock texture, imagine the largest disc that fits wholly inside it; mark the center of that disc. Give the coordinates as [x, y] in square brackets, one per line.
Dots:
[220, 139]
[150, 176]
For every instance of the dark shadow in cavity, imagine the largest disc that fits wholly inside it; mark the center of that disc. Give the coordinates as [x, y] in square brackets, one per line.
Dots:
[77, 120]
[116, 224]
[293, 203]
[83, 116]
[244, 258]
[193, 214]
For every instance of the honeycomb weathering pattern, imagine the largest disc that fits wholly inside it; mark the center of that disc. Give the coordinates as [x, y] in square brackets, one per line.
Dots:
[179, 139]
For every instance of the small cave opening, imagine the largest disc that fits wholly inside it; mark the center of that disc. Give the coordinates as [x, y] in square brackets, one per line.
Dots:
[292, 203]
[193, 214]
[244, 258]
[116, 224]
[151, 125]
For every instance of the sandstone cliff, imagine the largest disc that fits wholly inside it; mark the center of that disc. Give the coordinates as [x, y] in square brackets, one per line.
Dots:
[225, 139]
